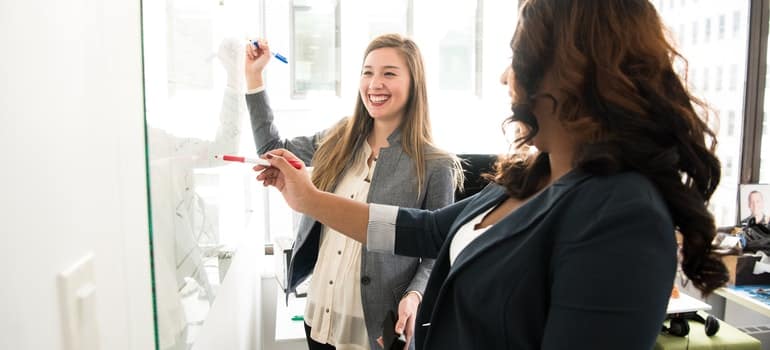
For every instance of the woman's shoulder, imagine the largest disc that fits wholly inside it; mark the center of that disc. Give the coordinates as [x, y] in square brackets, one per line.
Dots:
[624, 188]
[630, 182]
[438, 157]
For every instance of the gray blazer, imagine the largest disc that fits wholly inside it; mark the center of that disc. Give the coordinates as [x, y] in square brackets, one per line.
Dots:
[384, 277]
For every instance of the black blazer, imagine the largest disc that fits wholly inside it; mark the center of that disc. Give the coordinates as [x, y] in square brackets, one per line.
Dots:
[588, 263]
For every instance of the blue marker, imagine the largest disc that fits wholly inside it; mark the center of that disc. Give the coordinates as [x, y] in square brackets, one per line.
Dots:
[275, 54]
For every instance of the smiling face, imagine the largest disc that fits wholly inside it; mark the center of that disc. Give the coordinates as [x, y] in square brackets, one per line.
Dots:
[384, 87]
[756, 204]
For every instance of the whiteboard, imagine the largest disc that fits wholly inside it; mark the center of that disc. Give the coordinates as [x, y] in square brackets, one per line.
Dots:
[195, 111]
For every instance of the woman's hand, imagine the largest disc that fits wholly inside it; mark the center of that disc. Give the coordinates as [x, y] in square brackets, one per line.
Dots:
[294, 184]
[407, 312]
[256, 60]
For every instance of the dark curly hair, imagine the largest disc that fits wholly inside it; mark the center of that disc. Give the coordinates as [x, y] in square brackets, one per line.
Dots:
[614, 66]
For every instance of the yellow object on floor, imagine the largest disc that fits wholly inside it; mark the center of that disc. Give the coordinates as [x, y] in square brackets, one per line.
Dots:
[728, 337]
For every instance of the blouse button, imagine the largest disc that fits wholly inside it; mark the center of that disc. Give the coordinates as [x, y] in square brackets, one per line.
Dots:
[366, 280]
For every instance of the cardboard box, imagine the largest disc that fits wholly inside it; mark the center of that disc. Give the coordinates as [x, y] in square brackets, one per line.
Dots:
[741, 269]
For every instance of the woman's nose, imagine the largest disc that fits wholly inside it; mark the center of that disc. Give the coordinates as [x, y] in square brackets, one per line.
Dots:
[375, 83]
[504, 76]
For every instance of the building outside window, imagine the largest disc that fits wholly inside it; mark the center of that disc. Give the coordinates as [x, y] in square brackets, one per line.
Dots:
[721, 27]
[701, 57]
[718, 79]
[707, 30]
[731, 123]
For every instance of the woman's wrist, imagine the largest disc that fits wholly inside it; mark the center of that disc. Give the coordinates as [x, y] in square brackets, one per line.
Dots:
[314, 200]
[254, 81]
[417, 295]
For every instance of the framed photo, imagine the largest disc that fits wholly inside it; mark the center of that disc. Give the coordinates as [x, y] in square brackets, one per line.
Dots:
[754, 203]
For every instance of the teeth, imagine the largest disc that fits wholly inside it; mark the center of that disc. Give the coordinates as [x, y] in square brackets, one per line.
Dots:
[378, 98]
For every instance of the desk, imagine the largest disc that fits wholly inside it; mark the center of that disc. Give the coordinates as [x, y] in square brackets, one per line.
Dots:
[684, 304]
[743, 296]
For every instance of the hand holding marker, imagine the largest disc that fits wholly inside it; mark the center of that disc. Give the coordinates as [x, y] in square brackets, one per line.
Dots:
[275, 54]
[258, 161]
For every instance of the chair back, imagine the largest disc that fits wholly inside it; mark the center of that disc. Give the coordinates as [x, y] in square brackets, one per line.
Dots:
[473, 166]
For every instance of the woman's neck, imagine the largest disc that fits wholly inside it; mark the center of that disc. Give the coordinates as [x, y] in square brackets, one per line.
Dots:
[378, 137]
[561, 164]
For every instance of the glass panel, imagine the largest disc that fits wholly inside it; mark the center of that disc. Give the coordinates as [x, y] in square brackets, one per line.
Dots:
[194, 113]
[724, 94]
[316, 60]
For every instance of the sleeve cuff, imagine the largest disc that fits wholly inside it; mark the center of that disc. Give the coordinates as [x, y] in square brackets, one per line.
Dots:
[419, 295]
[255, 90]
[381, 230]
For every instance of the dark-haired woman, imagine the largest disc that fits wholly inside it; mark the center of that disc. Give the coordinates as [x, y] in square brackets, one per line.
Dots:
[572, 246]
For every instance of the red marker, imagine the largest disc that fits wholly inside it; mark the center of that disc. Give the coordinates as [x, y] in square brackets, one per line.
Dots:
[259, 161]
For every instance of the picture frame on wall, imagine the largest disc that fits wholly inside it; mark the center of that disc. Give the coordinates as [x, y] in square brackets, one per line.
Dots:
[753, 204]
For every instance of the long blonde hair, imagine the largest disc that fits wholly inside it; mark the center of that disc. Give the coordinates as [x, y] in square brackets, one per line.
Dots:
[338, 146]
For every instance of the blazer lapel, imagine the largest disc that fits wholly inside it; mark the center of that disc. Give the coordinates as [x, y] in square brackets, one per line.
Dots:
[516, 222]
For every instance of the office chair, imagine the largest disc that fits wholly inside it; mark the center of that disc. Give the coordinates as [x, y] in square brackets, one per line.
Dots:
[473, 166]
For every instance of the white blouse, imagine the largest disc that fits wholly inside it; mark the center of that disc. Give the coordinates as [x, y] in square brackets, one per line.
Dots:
[466, 234]
[334, 310]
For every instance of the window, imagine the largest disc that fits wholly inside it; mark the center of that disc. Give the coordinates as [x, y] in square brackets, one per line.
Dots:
[703, 63]
[315, 63]
[707, 32]
[730, 123]
[733, 77]
[457, 32]
[694, 33]
[693, 77]
[395, 18]
[765, 130]
[721, 27]
[718, 79]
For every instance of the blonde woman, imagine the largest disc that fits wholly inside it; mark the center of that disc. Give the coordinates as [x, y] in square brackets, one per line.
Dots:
[383, 153]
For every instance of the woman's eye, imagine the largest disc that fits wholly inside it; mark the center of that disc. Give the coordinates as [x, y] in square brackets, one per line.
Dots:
[390, 74]
[366, 73]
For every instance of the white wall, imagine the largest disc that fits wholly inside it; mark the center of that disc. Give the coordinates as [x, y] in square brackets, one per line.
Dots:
[73, 168]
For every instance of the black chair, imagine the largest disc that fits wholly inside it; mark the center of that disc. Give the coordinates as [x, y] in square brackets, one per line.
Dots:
[473, 166]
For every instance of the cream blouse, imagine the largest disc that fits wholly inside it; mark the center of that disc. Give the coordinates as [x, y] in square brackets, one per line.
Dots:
[334, 310]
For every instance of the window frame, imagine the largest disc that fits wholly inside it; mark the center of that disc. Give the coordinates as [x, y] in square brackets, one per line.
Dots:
[754, 97]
